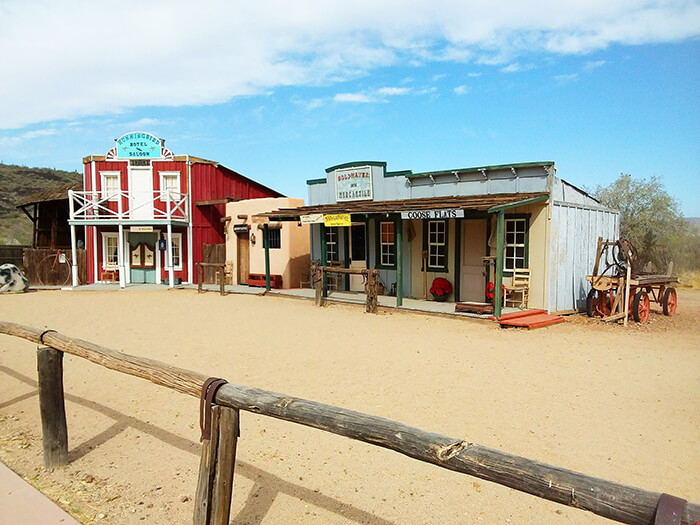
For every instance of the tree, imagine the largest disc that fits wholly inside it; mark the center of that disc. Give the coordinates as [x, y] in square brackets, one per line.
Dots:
[652, 220]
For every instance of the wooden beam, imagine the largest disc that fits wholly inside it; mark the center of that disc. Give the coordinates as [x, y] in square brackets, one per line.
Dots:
[214, 202]
[609, 499]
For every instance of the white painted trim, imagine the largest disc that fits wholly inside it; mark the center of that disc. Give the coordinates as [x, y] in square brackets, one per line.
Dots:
[93, 178]
[110, 173]
[190, 229]
[177, 239]
[178, 187]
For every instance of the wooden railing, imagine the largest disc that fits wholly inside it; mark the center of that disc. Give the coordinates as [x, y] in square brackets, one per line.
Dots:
[319, 272]
[612, 500]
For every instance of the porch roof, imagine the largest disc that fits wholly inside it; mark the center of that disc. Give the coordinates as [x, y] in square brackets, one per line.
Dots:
[482, 203]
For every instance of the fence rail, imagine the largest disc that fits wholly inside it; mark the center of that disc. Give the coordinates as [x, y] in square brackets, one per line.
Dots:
[612, 500]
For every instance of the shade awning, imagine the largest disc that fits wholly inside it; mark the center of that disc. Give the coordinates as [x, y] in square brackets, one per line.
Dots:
[482, 203]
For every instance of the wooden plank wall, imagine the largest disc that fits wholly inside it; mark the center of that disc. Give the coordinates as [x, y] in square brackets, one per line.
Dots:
[32, 259]
[213, 253]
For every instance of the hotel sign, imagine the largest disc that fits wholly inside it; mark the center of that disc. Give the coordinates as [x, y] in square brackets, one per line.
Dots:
[353, 184]
[139, 145]
[433, 214]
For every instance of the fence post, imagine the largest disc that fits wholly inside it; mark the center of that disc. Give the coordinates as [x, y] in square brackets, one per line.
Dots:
[318, 284]
[215, 485]
[52, 407]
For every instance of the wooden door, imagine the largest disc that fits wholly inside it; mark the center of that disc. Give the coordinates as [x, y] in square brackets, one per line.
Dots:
[472, 280]
[243, 257]
[358, 254]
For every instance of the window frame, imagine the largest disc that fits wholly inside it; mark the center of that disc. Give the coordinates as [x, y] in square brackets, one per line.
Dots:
[177, 242]
[335, 232]
[106, 236]
[525, 244]
[104, 175]
[278, 238]
[168, 174]
[427, 244]
[379, 259]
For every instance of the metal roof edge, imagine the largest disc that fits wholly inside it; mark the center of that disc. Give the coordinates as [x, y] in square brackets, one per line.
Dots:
[482, 168]
[358, 163]
[316, 181]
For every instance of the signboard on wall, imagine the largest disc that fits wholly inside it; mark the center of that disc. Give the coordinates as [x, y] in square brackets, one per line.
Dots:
[139, 145]
[353, 184]
[314, 218]
[433, 214]
[337, 219]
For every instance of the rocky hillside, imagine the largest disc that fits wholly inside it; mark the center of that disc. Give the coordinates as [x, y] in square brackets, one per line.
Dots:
[18, 183]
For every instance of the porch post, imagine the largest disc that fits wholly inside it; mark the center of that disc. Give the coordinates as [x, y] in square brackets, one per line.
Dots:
[74, 253]
[399, 262]
[121, 257]
[266, 245]
[324, 259]
[498, 281]
[171, 271]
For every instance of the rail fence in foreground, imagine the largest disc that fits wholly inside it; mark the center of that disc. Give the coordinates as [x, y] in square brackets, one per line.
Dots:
[222, 401]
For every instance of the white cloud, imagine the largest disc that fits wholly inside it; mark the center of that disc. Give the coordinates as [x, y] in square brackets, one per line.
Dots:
[590, 65]
[356, 98]
[393, 91]
[566, 78]
[473, 75]
[70, 59]
[512, 68]
[461, 90]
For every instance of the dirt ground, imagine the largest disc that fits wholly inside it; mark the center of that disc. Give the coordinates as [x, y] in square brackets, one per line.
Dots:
[613, 402]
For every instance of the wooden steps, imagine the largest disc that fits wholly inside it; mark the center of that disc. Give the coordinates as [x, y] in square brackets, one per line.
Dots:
[530, 319]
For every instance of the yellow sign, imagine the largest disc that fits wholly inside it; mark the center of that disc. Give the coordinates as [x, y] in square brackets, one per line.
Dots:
[338, 219]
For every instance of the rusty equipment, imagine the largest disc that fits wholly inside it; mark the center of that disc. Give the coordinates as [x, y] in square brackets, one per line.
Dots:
[621, 288]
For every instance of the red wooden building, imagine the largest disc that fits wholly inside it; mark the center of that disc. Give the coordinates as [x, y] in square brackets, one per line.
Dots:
[148, 213]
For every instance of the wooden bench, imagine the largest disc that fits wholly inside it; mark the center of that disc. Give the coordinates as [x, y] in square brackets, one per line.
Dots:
[258, 279]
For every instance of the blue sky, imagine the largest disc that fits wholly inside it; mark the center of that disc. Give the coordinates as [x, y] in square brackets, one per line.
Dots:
[279, 91]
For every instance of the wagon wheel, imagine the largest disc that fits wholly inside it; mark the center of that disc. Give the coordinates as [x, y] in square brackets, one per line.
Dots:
[640, 307]
[50, 271]
[597, 303]
[669, 301]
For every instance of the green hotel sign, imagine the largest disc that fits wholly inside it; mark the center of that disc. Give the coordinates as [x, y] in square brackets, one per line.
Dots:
[139, 145]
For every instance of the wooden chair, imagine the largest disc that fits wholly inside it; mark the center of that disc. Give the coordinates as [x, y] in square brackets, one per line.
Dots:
[110, 269]
[518, 293]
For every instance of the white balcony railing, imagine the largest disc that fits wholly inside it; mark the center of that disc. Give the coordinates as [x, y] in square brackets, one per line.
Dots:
[128, 206]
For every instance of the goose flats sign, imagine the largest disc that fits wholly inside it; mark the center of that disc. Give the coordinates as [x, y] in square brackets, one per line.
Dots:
[433, 214]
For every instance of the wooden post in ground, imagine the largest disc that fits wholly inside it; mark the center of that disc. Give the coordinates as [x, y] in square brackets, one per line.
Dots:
[52, 406]
[222, 278]
[200, 277]
[371, 306]
[318, 284]
[215, 484]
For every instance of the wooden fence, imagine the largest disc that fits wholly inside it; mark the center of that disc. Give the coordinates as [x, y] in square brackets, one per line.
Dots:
[319, 276]
[612, 500]
[40, 270]
[12, 254]
[213, 254]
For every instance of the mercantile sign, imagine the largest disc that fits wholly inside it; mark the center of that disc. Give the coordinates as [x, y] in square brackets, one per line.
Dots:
[353, 184]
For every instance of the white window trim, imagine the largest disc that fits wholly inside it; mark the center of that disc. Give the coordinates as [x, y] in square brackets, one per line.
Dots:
[516, 245]
[436, 245]
[177, 239]
[103, 190]
[392, 250]
[105, 236]
[162, 176]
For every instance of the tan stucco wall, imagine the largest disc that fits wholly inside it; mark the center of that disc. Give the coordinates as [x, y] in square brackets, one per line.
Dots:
[537, 251]
[416, 290]
[290, 261]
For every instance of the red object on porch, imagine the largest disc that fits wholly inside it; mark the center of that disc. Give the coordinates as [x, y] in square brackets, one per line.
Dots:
[440, 288]
[530, 319]
[490, 290]
[258, 279]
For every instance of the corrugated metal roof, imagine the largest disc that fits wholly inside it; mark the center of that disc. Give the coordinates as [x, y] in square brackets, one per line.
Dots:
[464, 202]
[57, 193]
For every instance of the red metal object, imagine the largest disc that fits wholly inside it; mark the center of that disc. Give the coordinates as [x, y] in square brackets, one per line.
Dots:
[669, 301]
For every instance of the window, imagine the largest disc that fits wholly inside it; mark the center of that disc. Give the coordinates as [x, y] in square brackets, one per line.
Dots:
[110, 185]
[516, 244]
[110, 248]
[275, 238]
[177, 252]
[169, 185]
[437, 245]
[332, 244]
[387, 245]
